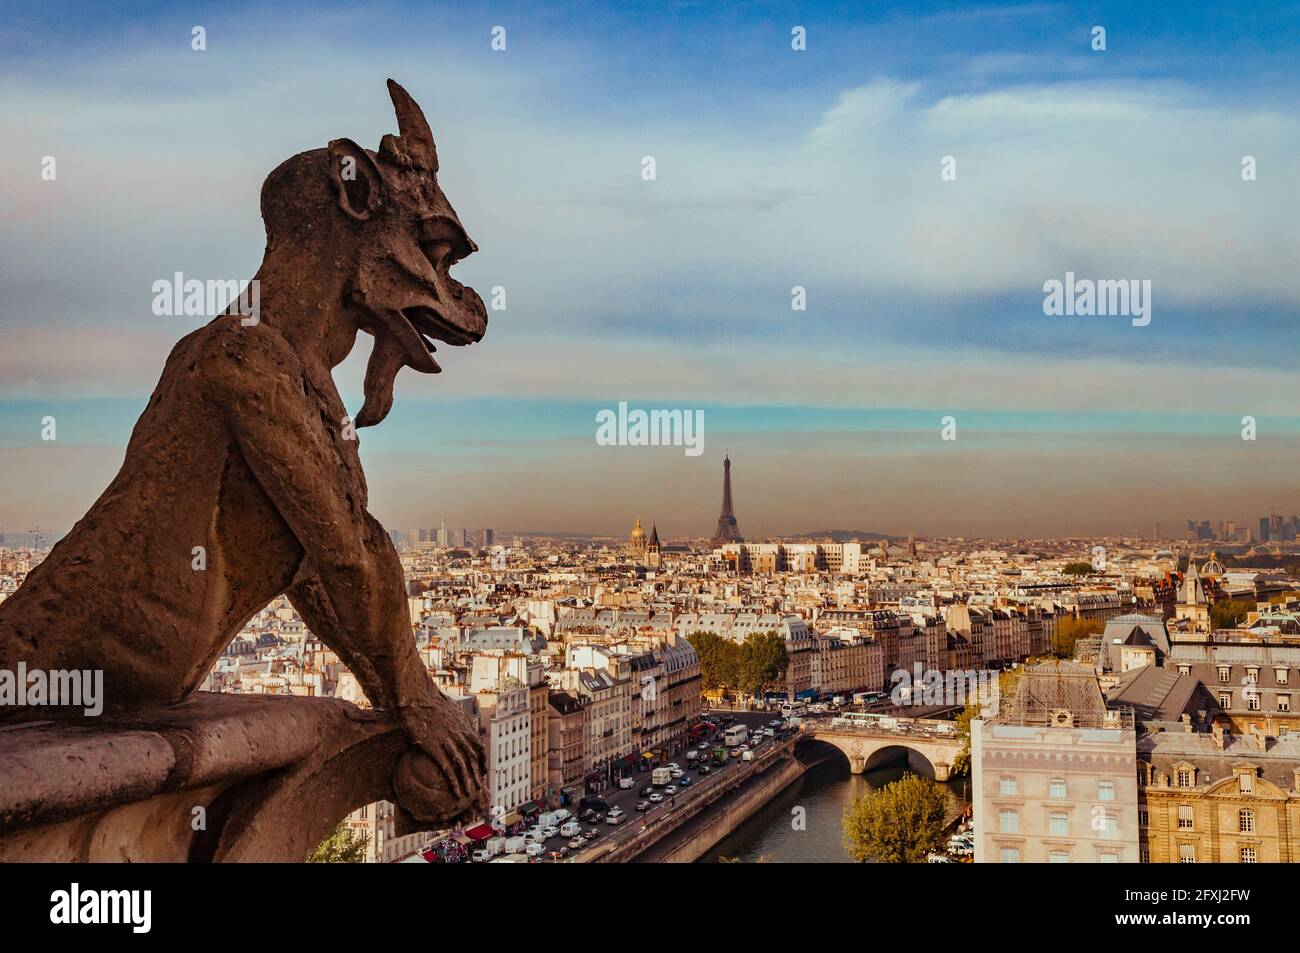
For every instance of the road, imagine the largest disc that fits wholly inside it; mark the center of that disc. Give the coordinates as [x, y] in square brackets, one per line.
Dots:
[609, 835]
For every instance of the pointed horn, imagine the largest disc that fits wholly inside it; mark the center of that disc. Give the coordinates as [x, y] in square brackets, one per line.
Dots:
[411, 125]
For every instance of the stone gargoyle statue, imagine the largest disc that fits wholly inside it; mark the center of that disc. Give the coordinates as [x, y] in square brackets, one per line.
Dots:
[246, 450]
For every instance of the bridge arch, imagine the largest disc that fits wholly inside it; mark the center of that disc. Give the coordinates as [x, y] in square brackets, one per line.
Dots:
[867, 751]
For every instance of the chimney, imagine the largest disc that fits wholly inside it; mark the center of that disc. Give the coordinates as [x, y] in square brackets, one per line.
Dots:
[1261, 740]
[1218, 732]
[1187, 723]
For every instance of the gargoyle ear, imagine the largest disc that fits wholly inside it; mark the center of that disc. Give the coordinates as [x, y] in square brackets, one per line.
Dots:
[357, 181]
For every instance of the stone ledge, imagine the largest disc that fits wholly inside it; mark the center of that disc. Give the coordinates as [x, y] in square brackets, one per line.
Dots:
[272, 775]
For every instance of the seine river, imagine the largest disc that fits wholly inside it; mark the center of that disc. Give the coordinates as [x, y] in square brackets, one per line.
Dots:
[823, 792]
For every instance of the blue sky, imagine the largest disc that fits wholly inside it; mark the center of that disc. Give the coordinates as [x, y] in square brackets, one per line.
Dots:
[775, 169]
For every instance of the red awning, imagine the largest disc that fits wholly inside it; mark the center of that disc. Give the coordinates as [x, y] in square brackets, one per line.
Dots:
[480, 832]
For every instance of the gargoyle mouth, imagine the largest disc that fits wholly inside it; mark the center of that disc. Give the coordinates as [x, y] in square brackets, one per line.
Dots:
[432, 326]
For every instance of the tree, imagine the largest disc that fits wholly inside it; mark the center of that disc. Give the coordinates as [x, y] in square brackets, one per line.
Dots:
[719, 660]
[1069, 630]
[343, 846]
[763, 660]
[1077, 569]
[960, 766]
[1226, 613]
[899, 824]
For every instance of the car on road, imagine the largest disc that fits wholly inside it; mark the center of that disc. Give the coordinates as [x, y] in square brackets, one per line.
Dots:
[616, 815]
[625, 783]
[559, 853]
[643, 805]
[774, 722]
[670, 790]
[534, 849]
[702, 746]
[577, 843]
[656, 797]
[647, 791]
[676, 773]
[591, 834]
[685, 781]
[704, 769]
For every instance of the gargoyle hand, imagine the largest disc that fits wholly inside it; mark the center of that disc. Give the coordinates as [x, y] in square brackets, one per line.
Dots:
[443, 778]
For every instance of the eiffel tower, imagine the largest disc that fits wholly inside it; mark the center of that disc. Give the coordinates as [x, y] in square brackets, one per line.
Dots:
[727, 532]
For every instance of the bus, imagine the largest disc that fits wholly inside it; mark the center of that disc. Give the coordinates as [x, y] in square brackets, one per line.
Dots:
[792, 708]
[735, 735]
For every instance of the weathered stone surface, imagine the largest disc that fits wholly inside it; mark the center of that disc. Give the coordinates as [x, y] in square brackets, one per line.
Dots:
[246, 450]
[272, 775]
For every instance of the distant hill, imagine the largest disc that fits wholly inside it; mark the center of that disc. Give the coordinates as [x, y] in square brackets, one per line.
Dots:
[842, 535]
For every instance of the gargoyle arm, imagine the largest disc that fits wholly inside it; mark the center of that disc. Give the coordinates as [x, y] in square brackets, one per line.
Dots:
[353, 585]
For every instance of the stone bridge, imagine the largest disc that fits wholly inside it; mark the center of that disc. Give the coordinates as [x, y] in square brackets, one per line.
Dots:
[867, 748]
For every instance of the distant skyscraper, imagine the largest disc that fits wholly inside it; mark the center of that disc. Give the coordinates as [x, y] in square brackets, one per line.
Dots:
[442, 535]
[728, 531]
[464, 538]
[488, 537]
[1263, 529]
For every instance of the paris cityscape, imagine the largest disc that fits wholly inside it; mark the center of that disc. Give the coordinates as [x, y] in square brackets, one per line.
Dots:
[714, 698]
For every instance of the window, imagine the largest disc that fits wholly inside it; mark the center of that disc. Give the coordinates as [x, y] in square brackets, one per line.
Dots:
[1283, 702]
[1059, 857]
[1247, 783]
[1007, 787]
[1187, 853]
[1185, 817]
[1184, 670]
[1057, 788]
[1008, 822]
[1184, 777]
[1246, 821]
[1009, 855]
[1144, 854]
[1225, 699]
[1108, 858]
[1280, 676]
[1252, 700]
[1225, 675]
[1248, 855]
[1109, 826]
[1105, 790]
[1144, 817]
[1059, 825]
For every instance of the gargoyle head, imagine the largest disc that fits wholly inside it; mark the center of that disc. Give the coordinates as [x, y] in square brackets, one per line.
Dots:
[391, 229]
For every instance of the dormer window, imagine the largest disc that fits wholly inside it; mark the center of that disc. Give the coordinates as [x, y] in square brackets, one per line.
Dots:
[1246, 780]
[1225, 675]
[1280, 676]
